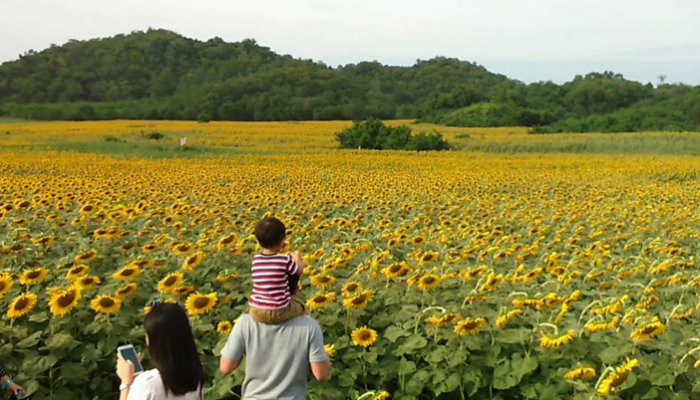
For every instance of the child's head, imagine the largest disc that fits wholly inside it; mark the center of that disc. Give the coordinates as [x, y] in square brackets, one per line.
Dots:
[270, 233]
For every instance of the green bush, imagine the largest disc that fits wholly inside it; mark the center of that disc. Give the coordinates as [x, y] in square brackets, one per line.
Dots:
[155, 136]
[373, 134]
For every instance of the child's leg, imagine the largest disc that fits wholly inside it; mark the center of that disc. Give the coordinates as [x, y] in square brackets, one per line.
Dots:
[262, 316]
[293, 310]
[293, 282]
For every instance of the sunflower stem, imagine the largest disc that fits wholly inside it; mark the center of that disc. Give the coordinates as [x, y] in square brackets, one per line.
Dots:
[593, 303]
[686, 355]
[549, 325]
[604, 374]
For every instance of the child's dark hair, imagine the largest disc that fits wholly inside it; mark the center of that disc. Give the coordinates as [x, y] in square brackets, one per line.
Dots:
[270, 232]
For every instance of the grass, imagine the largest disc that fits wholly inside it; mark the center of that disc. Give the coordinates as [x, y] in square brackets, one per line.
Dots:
[160, 139]
[143, 150]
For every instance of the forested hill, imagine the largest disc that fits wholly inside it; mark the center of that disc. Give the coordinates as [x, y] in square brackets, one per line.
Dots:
[159, 74]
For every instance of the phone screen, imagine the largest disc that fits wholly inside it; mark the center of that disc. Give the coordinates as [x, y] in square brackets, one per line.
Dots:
[129, 353]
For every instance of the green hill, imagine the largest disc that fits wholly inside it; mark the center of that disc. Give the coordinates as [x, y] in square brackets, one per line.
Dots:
[159, 74]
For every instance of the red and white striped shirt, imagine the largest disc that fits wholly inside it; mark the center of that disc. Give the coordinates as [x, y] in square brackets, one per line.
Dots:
[271, 281]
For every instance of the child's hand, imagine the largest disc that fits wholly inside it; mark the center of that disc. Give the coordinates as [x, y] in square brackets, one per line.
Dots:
[296, 256]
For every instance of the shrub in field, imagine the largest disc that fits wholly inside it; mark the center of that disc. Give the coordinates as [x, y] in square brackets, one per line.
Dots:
[373, 134]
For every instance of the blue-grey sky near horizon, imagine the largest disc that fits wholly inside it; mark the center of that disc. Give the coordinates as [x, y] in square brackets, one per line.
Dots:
[529, 40]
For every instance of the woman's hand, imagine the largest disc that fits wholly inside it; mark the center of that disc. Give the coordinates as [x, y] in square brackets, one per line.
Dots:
[14, 388]
[125, 370]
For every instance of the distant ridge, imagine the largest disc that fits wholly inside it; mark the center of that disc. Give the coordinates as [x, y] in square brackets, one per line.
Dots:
[159, 74]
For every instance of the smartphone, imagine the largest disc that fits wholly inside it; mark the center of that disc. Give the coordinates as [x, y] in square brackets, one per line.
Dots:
[128, 352]
[21, 395]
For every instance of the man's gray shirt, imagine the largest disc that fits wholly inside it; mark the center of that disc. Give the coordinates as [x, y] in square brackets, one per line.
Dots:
[277, 356]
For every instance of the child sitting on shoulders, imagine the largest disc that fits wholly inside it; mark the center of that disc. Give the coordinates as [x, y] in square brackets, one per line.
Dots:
[275, 276]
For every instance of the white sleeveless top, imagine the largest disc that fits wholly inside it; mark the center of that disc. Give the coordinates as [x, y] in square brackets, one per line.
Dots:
[148, 386]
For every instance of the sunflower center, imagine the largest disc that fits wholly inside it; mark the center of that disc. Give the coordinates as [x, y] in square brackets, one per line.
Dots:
[66, 299]
[320, 299]
[351, 287]
[106, 302]
[201, 302]
[170, 281]
[33, 274]
[128, 272]
[648, 329]
[359, 299]
[22, 303]
[395, 268]
[428, 280]
[3, 285]
[364, 335]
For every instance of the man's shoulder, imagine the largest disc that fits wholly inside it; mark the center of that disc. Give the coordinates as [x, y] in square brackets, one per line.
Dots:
[302, 321]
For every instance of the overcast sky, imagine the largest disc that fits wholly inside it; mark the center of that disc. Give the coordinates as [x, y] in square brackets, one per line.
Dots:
[530, 40]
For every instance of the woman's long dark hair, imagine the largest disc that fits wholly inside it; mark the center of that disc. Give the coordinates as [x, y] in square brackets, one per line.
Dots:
[172, 348]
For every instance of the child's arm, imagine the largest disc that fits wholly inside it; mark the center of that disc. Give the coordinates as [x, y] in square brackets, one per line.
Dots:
[296, 257]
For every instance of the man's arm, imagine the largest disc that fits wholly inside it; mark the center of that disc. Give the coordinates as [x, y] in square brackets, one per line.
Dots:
[321, 370]
[233, 351]
[227, 366]
[318, 359]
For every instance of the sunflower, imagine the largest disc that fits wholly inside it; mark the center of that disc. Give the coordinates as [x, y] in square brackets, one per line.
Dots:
[5, 284]
[170, 282]
[224, 327]
[648, 331]
[182, 248]
[351, 289]
[87, 209]
[226, 241]
[33, 276]
[198, 304]
[44, 240]
[131, 271]
[364, 337]
[322, 281]
[593, 327]
[428, 282]
[428, 257]
[183, 290]
[86, 257]
[549, 342]
[396, 270]
[193, 261]
[62, 302]
[469, 326]
[126, 291]
[617, 377]
[580, 373]
[320, 300]
[77, 272]
[106, 304]
[443, 319]
[21, 305]
[503, 319]
[359, 301]
[417, 240]
[330, 350]
[87, 282]
[383, 395]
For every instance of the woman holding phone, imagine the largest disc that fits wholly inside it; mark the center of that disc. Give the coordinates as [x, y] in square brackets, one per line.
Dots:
[6, 384]
[178, 372]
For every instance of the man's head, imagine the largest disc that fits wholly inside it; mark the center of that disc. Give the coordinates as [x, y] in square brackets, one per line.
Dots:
[270, 233]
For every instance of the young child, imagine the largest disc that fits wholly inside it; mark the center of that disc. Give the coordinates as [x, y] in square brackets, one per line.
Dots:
[275, 276]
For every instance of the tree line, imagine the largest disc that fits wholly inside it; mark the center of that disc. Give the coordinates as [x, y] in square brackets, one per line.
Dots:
[159, 74]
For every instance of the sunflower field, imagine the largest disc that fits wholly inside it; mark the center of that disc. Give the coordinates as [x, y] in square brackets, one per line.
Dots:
[447, 275]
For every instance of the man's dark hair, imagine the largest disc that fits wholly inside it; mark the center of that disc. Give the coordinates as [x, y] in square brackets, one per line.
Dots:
[270, 232]
[172, 348]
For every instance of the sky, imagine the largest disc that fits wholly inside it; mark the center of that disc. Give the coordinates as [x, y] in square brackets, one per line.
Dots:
[529, 40]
